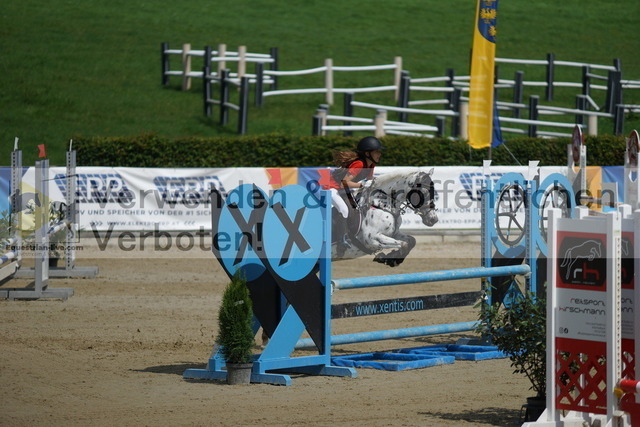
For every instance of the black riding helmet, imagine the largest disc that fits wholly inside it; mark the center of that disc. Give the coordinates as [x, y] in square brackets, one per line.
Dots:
[369, 143]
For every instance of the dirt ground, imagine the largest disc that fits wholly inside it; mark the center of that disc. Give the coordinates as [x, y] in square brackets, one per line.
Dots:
[114, 353]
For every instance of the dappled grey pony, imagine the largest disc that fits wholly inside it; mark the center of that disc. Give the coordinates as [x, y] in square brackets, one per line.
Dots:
[375, 226]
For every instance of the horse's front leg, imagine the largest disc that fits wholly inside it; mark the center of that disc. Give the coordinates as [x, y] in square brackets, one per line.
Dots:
[396, 257]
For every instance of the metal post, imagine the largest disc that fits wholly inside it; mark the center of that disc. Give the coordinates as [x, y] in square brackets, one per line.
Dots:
[71, 214]
[348, 111]
[316, 125]
[206, 81]
[550, 75]
[518, 91]
[455, 106]
[614, 91]
[617, 63]
[586, 80]
[244, 105]
[224, 97]
[403, 99]
[449, 83]
[440, 123]
[581, 104]
[259, 84]
[164, 57]
[533, 114]
[41, 266]
[618, 119]
[274, 67]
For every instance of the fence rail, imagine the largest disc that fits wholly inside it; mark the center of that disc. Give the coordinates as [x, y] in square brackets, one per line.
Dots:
[445, 97]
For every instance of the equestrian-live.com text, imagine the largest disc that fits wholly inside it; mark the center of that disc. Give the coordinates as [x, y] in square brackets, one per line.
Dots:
[33, 247]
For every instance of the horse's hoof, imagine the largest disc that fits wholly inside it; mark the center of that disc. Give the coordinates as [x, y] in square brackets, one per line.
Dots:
[380, 259]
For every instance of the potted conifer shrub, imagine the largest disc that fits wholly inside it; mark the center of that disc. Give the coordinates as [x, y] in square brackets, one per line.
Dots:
[519, 330]
[235, 333]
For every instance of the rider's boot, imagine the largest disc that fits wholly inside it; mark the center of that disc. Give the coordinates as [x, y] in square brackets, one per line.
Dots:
[340, 231]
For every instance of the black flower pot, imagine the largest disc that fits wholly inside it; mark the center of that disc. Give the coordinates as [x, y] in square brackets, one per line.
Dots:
[534, 407]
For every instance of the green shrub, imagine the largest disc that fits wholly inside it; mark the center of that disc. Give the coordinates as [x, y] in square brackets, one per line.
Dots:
[280, 150]
[520, 332]
[235, 333]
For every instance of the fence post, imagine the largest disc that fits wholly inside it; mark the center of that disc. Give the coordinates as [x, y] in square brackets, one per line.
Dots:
[259, 83]
[206, 81]
[455, 106]
[242, 61]
[533, 114]
[449, 83]
[397, 75]
[224, 97]
[244, 105]
[586, 80]
[581, 104]
[518, 91]
[164, 57]
[614, 91]
[440, 123]
[617, 63]
[403, 101]
[618, 119]
[222, 52]
[550, 75]
[322, 112]
[274, 67]
[328, 80]
[464, 120]
[347, 110]
[380, 119]
[186, 66]
[316, 125]
[592, 125]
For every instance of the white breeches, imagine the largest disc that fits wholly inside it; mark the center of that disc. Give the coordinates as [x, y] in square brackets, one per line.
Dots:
[339, 203]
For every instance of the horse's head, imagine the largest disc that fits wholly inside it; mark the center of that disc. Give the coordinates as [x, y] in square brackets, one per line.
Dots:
[422, 198]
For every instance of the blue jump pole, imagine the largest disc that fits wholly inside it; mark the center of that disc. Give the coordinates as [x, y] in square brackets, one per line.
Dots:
[390, 334]
[430, 276]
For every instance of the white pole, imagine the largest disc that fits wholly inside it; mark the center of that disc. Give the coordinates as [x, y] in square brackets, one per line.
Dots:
[242, 62]
[186, 66]
[328, 80]
[222, 52]
[592, 125]
[380, 119]
[323, 120]
[464, 119]
[397, 74]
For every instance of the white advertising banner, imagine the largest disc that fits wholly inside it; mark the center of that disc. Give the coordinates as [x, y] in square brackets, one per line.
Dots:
[147, 199]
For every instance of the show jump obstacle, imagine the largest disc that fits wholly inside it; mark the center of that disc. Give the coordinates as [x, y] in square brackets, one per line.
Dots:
[592, 324]
[11, 262]
[280, 243]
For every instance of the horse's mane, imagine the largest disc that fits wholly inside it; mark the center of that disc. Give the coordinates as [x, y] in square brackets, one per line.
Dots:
[392, 178]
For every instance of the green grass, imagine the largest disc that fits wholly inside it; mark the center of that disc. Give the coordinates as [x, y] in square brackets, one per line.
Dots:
[92, 68]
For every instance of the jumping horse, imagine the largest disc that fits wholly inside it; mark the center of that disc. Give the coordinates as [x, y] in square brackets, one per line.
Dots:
[374, 224]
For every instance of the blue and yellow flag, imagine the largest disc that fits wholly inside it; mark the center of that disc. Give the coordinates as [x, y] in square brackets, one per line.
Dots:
[481, 103]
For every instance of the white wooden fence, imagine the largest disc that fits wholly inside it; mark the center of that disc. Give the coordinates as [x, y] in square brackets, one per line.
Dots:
[445, 97]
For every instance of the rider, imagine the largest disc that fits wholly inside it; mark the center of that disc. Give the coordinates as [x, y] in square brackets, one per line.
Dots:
[355, 167]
